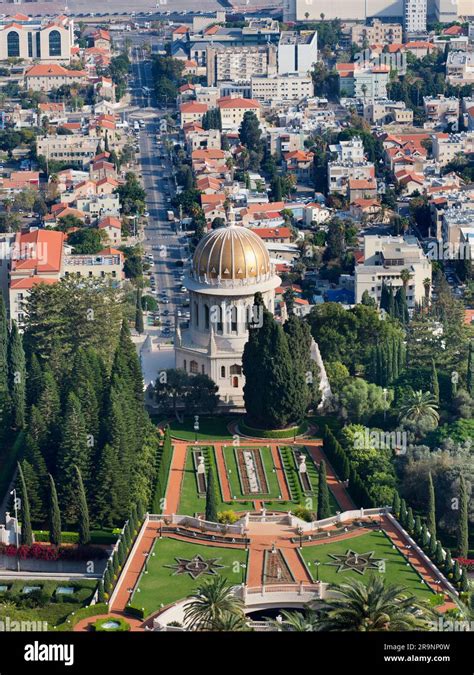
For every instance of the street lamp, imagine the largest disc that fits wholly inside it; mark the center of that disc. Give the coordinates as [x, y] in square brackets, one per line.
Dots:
[317, 563]
[15, 506]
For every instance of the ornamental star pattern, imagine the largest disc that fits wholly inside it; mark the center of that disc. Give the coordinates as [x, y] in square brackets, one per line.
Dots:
[350, 561]
[196, 566]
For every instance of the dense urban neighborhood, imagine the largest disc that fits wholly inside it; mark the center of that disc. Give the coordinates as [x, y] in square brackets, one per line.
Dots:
[237, 318]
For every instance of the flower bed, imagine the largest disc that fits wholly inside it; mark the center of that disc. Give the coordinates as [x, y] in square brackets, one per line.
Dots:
[48, 552]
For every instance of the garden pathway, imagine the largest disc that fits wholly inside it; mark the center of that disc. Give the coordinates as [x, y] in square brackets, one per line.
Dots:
[221, 470]
[335, 485]
[284, 491]
[178, 467]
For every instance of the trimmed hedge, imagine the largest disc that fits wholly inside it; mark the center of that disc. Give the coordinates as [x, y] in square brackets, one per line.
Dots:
[83, 613]
[136, 612]
[273, 433]
[123, 626]
[97, 537]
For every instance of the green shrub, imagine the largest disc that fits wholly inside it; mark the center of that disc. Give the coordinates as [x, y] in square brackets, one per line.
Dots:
[273, 433]
[137, 612]
[303, 513]
[227, 517]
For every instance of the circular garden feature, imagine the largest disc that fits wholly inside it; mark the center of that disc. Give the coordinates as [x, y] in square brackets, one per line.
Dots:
[289, 432]
[111, 625]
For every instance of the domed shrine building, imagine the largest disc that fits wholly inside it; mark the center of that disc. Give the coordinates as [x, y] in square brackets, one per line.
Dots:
[229, 266]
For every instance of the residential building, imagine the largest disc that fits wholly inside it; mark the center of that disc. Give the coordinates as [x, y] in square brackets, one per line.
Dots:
[441, 111]
[376, 32]
[281, 88]
[454, 220]
[460, 68]
[349, 151]
[240, 64]
[75, 150]
[384, 259]
[233, 111]
[341, 172]
[447, 146]
[45, 40]
[299, 163]
[42, 77]
[384, 111]
[192, 112]
[414, 17]
[297, 52]
[108, 263]
[364, 83]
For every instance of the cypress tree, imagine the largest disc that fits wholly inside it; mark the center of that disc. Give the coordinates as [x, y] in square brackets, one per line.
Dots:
[425, 537]
[34, 380]
[464, 584]
[431, 514]
[438, 556]
[105, 499]
[107, 581]
[457, 572]
[73, 450]
[139, 327]
[392, 309]
[470, 370]
[403, 513]
[448, 563]
[434, 383]
[418, 528]
[54, 514]
[396, 504]
[101, 592]
[83, 511]
[410, 520]
[463, 520]
[323, 493]
[4, 384]
[211, 497]
[17, 377]
[26, 530]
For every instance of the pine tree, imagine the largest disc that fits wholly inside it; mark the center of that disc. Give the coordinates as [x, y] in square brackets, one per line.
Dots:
[323, 493]
[431, 513]
[83, 518]
[54, 515]
[105, 499]
[434, 383]
[463, 520]
[17, 377]
[396, 504]
[34, 380]
[212, 499]
[73, 450]
[26, 530]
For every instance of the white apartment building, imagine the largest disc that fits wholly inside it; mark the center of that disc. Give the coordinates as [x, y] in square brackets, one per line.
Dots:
[340, 173]
[447, 146]
[240, 64]
[297, 52]
[281, 88]
[460, 67]
[414, 17]
[454, 220]
[363, 83]
[349, 151]
[444, 11]
[384, 259]
[384, 111]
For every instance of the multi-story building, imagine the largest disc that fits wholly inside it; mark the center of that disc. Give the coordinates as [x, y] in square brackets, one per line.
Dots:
[444, 11]
[47, 40]
[75, 150]
[349, 151]
[377, 32]
[340, 173]
[281, 88]
[233, 111]
[360, 82]
[106, 263]
[441, 111]
[460, 68]
[42, 77]
[414, 17]
[454, 220]
[383, 111]
[192, 112]
[240, 64]
[447, 146]
[384, 259]
[297, 52]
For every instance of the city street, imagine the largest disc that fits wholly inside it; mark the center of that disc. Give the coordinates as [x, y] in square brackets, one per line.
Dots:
[160, 238]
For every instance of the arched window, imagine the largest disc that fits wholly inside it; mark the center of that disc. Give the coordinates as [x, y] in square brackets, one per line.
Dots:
[193, 367]
[38, 45]
[222, 371]
[13, 43]
[196, 314]
[233, 319]
[235, 382]
[236, 369]
[219, 323]
[55, 43]
[206, 316]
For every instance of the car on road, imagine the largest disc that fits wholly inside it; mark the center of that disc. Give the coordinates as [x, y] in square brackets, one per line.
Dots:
[183, 289]
[165, 312]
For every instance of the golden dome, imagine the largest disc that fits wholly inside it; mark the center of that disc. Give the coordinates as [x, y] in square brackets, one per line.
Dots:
[231, 253]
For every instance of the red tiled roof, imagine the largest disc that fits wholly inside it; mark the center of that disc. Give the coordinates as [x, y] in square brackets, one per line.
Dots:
[227, 102]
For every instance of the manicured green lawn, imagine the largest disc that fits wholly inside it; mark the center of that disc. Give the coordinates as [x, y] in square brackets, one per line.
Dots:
[290, 466]
[210, 429]
[234, 478]
[161, 586]
[396, 569]
[191, 502]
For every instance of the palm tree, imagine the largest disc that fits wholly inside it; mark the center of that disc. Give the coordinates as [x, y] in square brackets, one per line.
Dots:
[419, 405]
[231, 622]
[405, 276]
[374, 606]
[296, 622]
[210, 602]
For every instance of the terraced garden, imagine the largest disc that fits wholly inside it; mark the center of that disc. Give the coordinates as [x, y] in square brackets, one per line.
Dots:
[236, 473]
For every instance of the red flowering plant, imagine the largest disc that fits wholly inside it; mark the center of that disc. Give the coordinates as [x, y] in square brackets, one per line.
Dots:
[468, 563]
